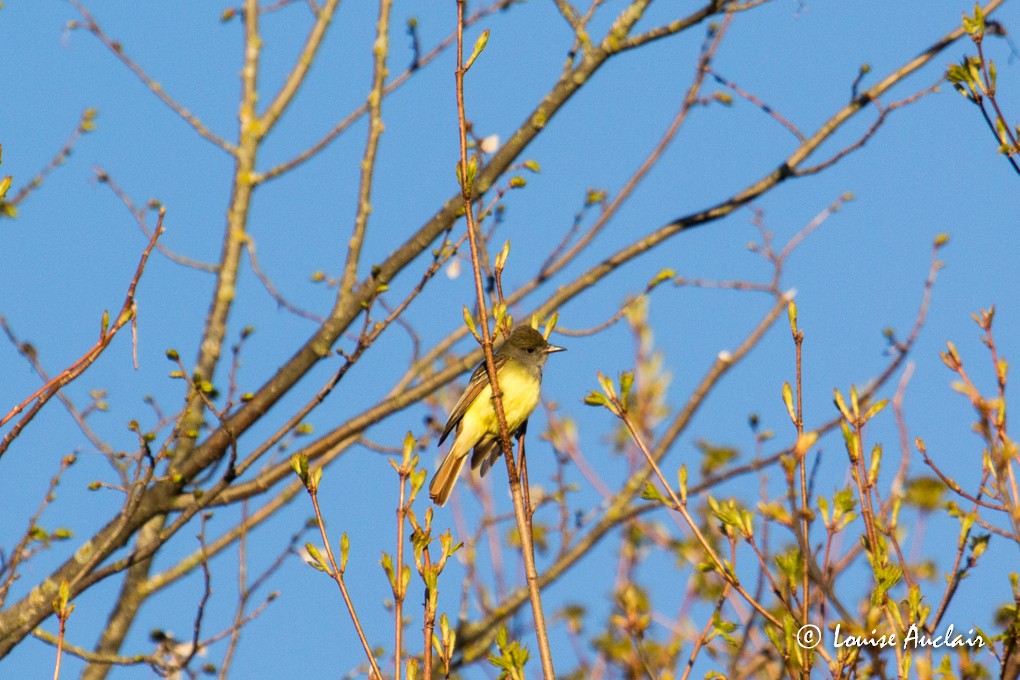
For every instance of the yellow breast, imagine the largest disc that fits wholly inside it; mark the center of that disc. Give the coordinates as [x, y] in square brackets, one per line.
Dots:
[520, 397]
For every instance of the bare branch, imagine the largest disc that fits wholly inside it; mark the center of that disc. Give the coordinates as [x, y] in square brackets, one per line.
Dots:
[107, 332]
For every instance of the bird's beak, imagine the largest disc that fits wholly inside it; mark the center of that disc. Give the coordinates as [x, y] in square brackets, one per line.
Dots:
[549, 349]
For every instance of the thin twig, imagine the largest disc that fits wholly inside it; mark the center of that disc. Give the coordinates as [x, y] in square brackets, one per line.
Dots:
[759, 103]
[107, 332]
[85, 125]
[80, 418]
[196, 633]
[527, 546]
[338, 576]
[702, 639]
[883, 113]
[271, 289]
[356, 114]
[403, 506]
[103, 177]
[708, 52]
[20, 552]
[154, 662]
[721, 568]
[368, 159]
[157, 89]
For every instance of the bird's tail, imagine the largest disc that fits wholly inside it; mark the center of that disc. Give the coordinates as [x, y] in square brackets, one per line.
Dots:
[446, 476]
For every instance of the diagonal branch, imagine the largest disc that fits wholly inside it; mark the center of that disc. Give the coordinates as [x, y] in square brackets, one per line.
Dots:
[375, 129]
[356, 114]
[250, 130]
[157, 89]
[297, 75]
[85, 125]
[69, 374]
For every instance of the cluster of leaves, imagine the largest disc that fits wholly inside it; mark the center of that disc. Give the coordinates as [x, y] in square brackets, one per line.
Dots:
[976, 78]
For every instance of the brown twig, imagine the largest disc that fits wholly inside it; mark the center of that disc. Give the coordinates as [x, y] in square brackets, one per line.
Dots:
[271, 289]
[337, 572]
[703, 637]
[404, 471]
[467, 179]
[356, 114]
[20, 552]
[157, 89]
[85, 125]
[154, 662]
[708, 52]
[107, 332]
[80, 417]
[801, 455]
[375, 128]
[196, 633]
[243, 590]
[724, 570]
[619, 314]
[883, 113]
[103, 177]
[759, 103]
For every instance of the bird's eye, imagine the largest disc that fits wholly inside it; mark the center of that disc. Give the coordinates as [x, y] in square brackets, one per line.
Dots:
[531, 350]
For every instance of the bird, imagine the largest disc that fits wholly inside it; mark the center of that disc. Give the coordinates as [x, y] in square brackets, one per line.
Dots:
[518, 363]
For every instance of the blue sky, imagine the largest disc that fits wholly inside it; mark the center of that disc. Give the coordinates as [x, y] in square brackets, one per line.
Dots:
[69, 255]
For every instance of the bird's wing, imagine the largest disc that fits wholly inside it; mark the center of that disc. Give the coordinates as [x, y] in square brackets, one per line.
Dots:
[479, 380]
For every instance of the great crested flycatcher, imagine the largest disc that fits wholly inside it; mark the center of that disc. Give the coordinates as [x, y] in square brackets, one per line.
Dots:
[518, 363]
